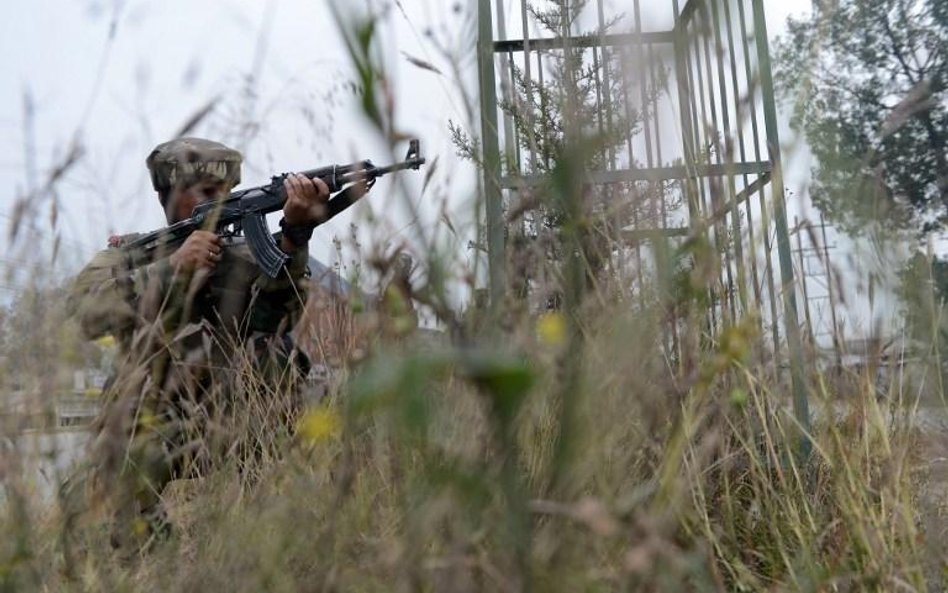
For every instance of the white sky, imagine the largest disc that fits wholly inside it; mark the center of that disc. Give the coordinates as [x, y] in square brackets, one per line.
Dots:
[122, 95]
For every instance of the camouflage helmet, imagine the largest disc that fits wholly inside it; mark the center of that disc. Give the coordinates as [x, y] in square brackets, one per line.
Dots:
[185, 161]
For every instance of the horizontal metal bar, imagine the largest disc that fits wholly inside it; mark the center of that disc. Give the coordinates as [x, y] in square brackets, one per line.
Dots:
[655, 174]
[638, 235]
[586, 41]
[742, 196]
[753, 188]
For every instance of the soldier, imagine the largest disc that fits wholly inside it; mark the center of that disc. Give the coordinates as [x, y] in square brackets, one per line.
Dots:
[197, 327]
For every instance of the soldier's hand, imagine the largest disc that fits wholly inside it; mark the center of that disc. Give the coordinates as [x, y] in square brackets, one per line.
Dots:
[202, 249]
[305, 200]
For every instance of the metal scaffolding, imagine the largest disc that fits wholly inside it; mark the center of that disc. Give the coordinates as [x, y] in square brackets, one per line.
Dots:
[694, 112]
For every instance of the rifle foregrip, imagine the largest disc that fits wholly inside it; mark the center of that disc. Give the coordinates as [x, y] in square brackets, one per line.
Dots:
[343, 200]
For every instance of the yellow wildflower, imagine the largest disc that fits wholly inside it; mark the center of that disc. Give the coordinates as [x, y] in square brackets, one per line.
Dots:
[146, 419]
[319, 424]
[551, 328]
[106, 341]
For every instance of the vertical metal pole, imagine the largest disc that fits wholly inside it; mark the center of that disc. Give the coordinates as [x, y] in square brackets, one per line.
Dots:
[606, 78]
[644, 111]
[765, 217]
[600, 120]
[700, 125]
[528, 86]
[803, 272]
[516, 155]
[703, 189]
[791, 324]
[662, 188]
[543, 106]
[742, 151]
[624, 65]
[736, 235]
[627, 131]
[832, 298]
[688, 343]
[714, 193]
[491, 153]
[646, 124]
[654, 83]
[506, 87]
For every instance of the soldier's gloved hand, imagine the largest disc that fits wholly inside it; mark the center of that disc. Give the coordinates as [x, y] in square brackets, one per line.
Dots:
[201, 250]
[305, 200]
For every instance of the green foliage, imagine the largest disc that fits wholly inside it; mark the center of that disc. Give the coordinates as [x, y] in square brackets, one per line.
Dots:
[503, 379]
[869, 89]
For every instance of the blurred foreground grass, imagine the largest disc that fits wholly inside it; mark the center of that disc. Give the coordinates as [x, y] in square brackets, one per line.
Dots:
[445, 469]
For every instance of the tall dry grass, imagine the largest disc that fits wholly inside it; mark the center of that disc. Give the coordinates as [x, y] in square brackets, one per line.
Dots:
[440, 469]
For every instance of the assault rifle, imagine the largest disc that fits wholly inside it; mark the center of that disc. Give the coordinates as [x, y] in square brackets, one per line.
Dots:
[245, 210]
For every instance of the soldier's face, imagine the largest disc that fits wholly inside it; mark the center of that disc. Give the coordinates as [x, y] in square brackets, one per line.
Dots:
[183, 201]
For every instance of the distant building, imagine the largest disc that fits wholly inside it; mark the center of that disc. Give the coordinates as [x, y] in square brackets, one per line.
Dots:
[889, 363]
[340, 320]
[31, 409]
[328, 279]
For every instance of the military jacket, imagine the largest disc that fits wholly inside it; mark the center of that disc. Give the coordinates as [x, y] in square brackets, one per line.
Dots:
[118, 294]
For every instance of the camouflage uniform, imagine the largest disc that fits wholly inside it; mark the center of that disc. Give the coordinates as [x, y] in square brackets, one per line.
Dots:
[186, 352]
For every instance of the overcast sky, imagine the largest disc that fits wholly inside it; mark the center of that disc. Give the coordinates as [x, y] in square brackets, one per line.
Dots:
[121, 76]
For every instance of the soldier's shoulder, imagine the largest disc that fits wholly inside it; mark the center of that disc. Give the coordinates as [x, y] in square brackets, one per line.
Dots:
[119, 241]
[113, 253]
